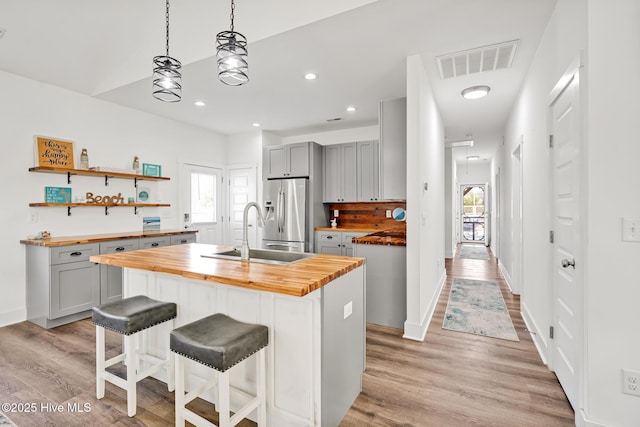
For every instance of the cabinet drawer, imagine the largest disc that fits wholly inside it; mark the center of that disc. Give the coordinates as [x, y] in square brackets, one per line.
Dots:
[181, 239]
[119, 246]
[329, 236]
[73, 253]
[154, 242]
[347, 237]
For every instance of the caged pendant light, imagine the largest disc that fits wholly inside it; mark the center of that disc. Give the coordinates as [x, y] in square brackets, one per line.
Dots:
[232, 55]
[167, 80]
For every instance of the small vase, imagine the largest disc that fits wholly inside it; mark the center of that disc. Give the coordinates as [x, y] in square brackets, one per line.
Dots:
[84, 159]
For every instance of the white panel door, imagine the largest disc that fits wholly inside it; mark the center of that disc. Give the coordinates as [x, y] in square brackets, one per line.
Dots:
[242, 190]
[568, 293]
[201, 201]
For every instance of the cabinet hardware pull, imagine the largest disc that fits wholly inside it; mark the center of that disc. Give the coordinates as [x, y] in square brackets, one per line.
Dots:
[75, 253]
[155, 244]
[329, 237]
[119, 249]
[183, 241]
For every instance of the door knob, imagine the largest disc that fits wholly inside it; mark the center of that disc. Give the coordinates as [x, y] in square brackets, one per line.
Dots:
[566, 263]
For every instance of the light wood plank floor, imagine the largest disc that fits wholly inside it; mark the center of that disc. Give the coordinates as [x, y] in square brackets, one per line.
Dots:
[450, 379]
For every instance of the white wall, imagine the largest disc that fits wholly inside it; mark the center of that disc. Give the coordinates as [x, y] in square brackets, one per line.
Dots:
[613, 286]
[113, 135]
[425, 208]
[449, 205]
[473, 173]
[368, 133]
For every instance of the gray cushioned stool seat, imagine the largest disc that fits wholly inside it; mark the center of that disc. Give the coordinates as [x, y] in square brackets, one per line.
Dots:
[218, 341]
[133, 314]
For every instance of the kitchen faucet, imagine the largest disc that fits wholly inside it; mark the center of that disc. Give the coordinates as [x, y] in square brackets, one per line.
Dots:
[244, 250]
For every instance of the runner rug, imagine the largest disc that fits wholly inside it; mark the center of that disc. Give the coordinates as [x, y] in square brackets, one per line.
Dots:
[474, 252]
[477, 307]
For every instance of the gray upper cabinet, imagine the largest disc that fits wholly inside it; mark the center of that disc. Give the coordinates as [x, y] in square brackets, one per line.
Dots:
[340, 173]
[393, 149]
[368, 183]
[286, 161]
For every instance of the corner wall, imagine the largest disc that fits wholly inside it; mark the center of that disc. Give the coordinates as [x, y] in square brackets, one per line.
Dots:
[425, 208]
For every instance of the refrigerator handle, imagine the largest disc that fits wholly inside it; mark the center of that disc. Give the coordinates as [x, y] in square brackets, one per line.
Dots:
[281, 218]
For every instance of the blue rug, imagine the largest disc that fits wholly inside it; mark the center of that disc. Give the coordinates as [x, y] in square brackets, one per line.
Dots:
[474, 252]
[477, 307]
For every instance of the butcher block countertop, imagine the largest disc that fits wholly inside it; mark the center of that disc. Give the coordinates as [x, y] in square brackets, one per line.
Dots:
[390, 238]
[297, 279]
[349, 229]
[94, 238]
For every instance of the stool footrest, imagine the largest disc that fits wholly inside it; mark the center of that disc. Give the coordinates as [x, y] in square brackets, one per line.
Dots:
[196, 419]
[244, 411]
[199, 390]
[114, 360]
[114, 379]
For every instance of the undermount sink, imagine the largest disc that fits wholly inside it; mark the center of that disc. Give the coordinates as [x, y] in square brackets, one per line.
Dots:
[265, 256]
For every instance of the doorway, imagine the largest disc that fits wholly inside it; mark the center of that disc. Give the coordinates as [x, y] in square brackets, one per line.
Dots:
[474, 213]
[242, 190]
[201, 201]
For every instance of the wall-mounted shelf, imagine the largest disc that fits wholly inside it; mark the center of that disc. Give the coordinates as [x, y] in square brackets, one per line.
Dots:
[105, 174]
[106, 206]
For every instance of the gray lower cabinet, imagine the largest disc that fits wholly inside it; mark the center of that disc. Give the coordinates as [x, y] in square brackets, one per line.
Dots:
[336, 242]
[111, 276]
[62, 284]
[154, 242]
[183, 239]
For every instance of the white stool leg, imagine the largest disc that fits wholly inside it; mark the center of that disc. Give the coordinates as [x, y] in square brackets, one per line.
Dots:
[131, 361]
[223, 399]
[170, 365]
[261, 388]
[100, 362]
[179, 394]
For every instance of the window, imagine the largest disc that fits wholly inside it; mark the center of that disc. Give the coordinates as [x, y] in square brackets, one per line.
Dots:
[203, 197]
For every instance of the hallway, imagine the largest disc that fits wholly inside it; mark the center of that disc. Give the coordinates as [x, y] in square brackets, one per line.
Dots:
[454, 378]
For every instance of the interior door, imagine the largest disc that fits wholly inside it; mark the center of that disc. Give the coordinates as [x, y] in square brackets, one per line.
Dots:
[567, 277]
[201, 201]
[242, 190]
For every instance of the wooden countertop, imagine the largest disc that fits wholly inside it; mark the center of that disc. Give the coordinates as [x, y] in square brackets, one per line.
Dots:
[298, 279]
[390, 238]
[94, 238]
[349, 229]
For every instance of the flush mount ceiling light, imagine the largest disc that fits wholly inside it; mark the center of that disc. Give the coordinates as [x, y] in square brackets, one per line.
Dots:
[256, 125]
[167, 80]
[351, 109]
[454, 144]
[233, 67]
[311, 76]
[199, 103]
[473, 157]
[475, 92]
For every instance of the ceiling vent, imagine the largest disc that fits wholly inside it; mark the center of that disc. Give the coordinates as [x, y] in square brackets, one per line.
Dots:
[487, 58]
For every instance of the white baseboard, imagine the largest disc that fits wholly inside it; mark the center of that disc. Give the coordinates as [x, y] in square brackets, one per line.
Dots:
[507, 277]
[583, 421]
[417, 332]
[538, 341]
[13, 316]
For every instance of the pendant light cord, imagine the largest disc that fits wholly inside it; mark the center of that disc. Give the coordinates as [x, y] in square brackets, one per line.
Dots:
[233, 8]
[167, 19]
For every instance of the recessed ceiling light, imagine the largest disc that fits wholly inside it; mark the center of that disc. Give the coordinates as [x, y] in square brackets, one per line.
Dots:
[475, 92]
[311, 76]
[199, 103]
[255, 125]
[351, 109]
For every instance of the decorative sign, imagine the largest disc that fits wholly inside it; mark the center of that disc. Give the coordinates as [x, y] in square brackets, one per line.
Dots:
[57, 195]
[399, 214]
[55, 153]
[116, 200]
[143, 195]
[150, 223]
[150, 169]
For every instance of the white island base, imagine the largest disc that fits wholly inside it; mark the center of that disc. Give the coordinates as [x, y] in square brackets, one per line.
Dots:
[316, 352]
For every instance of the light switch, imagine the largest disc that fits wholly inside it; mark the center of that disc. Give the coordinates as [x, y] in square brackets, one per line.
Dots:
[388, 213]
[336, 213]
[631, 229]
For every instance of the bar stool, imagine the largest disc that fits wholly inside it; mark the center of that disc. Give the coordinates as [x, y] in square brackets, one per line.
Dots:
[219, 342]
[129, 317]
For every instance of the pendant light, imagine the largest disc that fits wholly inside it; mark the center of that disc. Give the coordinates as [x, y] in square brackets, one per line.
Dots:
[167, 80]
[232, 55]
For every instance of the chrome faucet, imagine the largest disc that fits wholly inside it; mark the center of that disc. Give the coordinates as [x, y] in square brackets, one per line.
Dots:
[244, 250]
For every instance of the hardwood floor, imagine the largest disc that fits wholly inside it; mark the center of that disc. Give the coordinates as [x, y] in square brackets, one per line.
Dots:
[456, 379]
[450, 379]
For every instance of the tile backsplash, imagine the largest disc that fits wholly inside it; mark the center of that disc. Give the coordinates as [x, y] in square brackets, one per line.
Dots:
[369, 215]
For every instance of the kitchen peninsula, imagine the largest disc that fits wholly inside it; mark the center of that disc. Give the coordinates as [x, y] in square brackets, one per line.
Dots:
[314, 309]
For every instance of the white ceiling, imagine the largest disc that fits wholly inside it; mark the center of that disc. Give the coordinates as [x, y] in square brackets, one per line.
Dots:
[357, 47]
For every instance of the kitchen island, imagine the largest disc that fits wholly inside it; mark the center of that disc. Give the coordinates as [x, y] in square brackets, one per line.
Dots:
[314, 309]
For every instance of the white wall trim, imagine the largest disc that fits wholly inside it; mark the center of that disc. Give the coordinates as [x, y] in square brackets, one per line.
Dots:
[451, 254]
[507, 277]
[535, 331]
[13, 316]
[583, 421]
[417, 332]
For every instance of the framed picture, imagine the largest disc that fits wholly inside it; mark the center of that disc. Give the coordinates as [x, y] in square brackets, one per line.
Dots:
[150, 169]
[57, 195]
[143, 195]
[55, 153]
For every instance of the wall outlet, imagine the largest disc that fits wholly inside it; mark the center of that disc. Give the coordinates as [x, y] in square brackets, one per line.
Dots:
[348, 309]
[631, 229]
[388, 213]
[631, 382]
[336, 213]
[33, 217]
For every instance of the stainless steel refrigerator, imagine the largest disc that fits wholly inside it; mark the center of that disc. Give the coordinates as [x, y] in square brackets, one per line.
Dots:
[286, 214]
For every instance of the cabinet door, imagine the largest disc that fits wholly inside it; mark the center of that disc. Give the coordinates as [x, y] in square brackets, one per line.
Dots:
[332, 160]
[75, 287]
[328, 242]
[349, 173]
[297, 160]
[347, 244]
[368, 184]
[275, 162]
[393, 149]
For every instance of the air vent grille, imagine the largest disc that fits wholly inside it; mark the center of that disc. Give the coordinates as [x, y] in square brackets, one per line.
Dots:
[482, 59]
